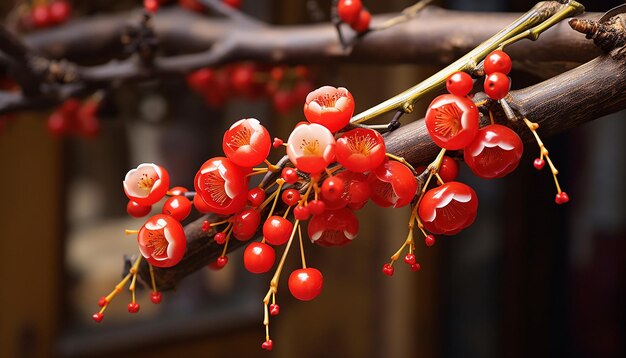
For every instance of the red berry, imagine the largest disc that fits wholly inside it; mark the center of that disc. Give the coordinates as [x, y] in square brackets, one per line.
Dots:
[97, 317]
[59, 11]
[459, 84]
[301, 212]
[416, 267]
[178, 207]
[497, 61]
[539, 163]
[429, 240]
[133, 307]
[235, 4]
[497, 85]
[290, 197]
[258, 257]
[221, 261]
[388, 269]
[156, 297]
[245, 224]
[177, 190]
[305, 284]
[201, 79]
[282, 101]
[151, 5]
[102, 301]
[267, 345]
[409, 259]
[289, 175]
[205, 225]
[40, 15]
[332, 188]
[316, 207]
[561, 198]
[274, 309]
[277, 230]
[220, 238]
[256, 196]
[348, 10]
[242, 79]
[449, 169]
[277, 143]
[137, 211]
[59, 124]
[362, 24]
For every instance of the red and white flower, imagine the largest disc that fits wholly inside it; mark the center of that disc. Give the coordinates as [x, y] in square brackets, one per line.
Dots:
[146, 184]
[247, 143]
[162, 241]
[392, 184]
[495, 152]
[361, 150]
[333, 227]
[329, 106]
[448, 208]
[311, 147]
[221, 187]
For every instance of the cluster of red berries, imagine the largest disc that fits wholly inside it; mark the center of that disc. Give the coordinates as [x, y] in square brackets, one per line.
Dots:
[46, 14]
[354, 14]
[193, 5]
[286, 86]
[75, 118]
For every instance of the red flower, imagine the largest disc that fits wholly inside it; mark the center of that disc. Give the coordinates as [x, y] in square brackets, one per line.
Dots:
[221, 187]
[146, 184]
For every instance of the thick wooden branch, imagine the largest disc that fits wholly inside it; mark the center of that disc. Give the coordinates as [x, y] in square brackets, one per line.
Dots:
[563, 102]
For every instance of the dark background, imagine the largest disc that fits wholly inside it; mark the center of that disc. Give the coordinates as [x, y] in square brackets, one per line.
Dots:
[529, 278]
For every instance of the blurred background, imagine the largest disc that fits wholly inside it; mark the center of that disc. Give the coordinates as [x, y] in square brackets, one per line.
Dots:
[527, 279]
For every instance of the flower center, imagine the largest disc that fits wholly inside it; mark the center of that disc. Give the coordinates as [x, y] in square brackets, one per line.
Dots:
[310, 147]
[448, 120]
[361, 144]
[146, 182]
[214, 186]
[327, 100]
[157, 243]
[240, 138]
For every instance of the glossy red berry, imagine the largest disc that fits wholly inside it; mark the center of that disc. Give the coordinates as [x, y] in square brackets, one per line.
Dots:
[388, 269]
[452, 121]
[151, 5]
[305, 284]
[205, 226]
[137, 211]
[497, 85]
[221, 261]
[498, 61]
[282, 101]
[277, 230]
[360, 150]
[539, 163]
[40, 15]
[289, 175]
[333, 227]
[332, 188]
[460, 84]
[97, 317]
[561, 198]
[156, 297]
[256, 196]
[277, 143]
[201, 79]
[290, 197]
[102, 301]
[409, 259]
[178, 207]
[362, 23]
[274, 309]
[301, 212]
[329, 106]
[258, 257]
[267, 345]
[416, 267]
[449, 169]
[348, 10]
[495, 152]
[220, 238]
[429, 240]
[245, 224]
[60, 11]
[242, 79]
[177, 190]
[247, 143]
[316, 207]
[133, 307]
